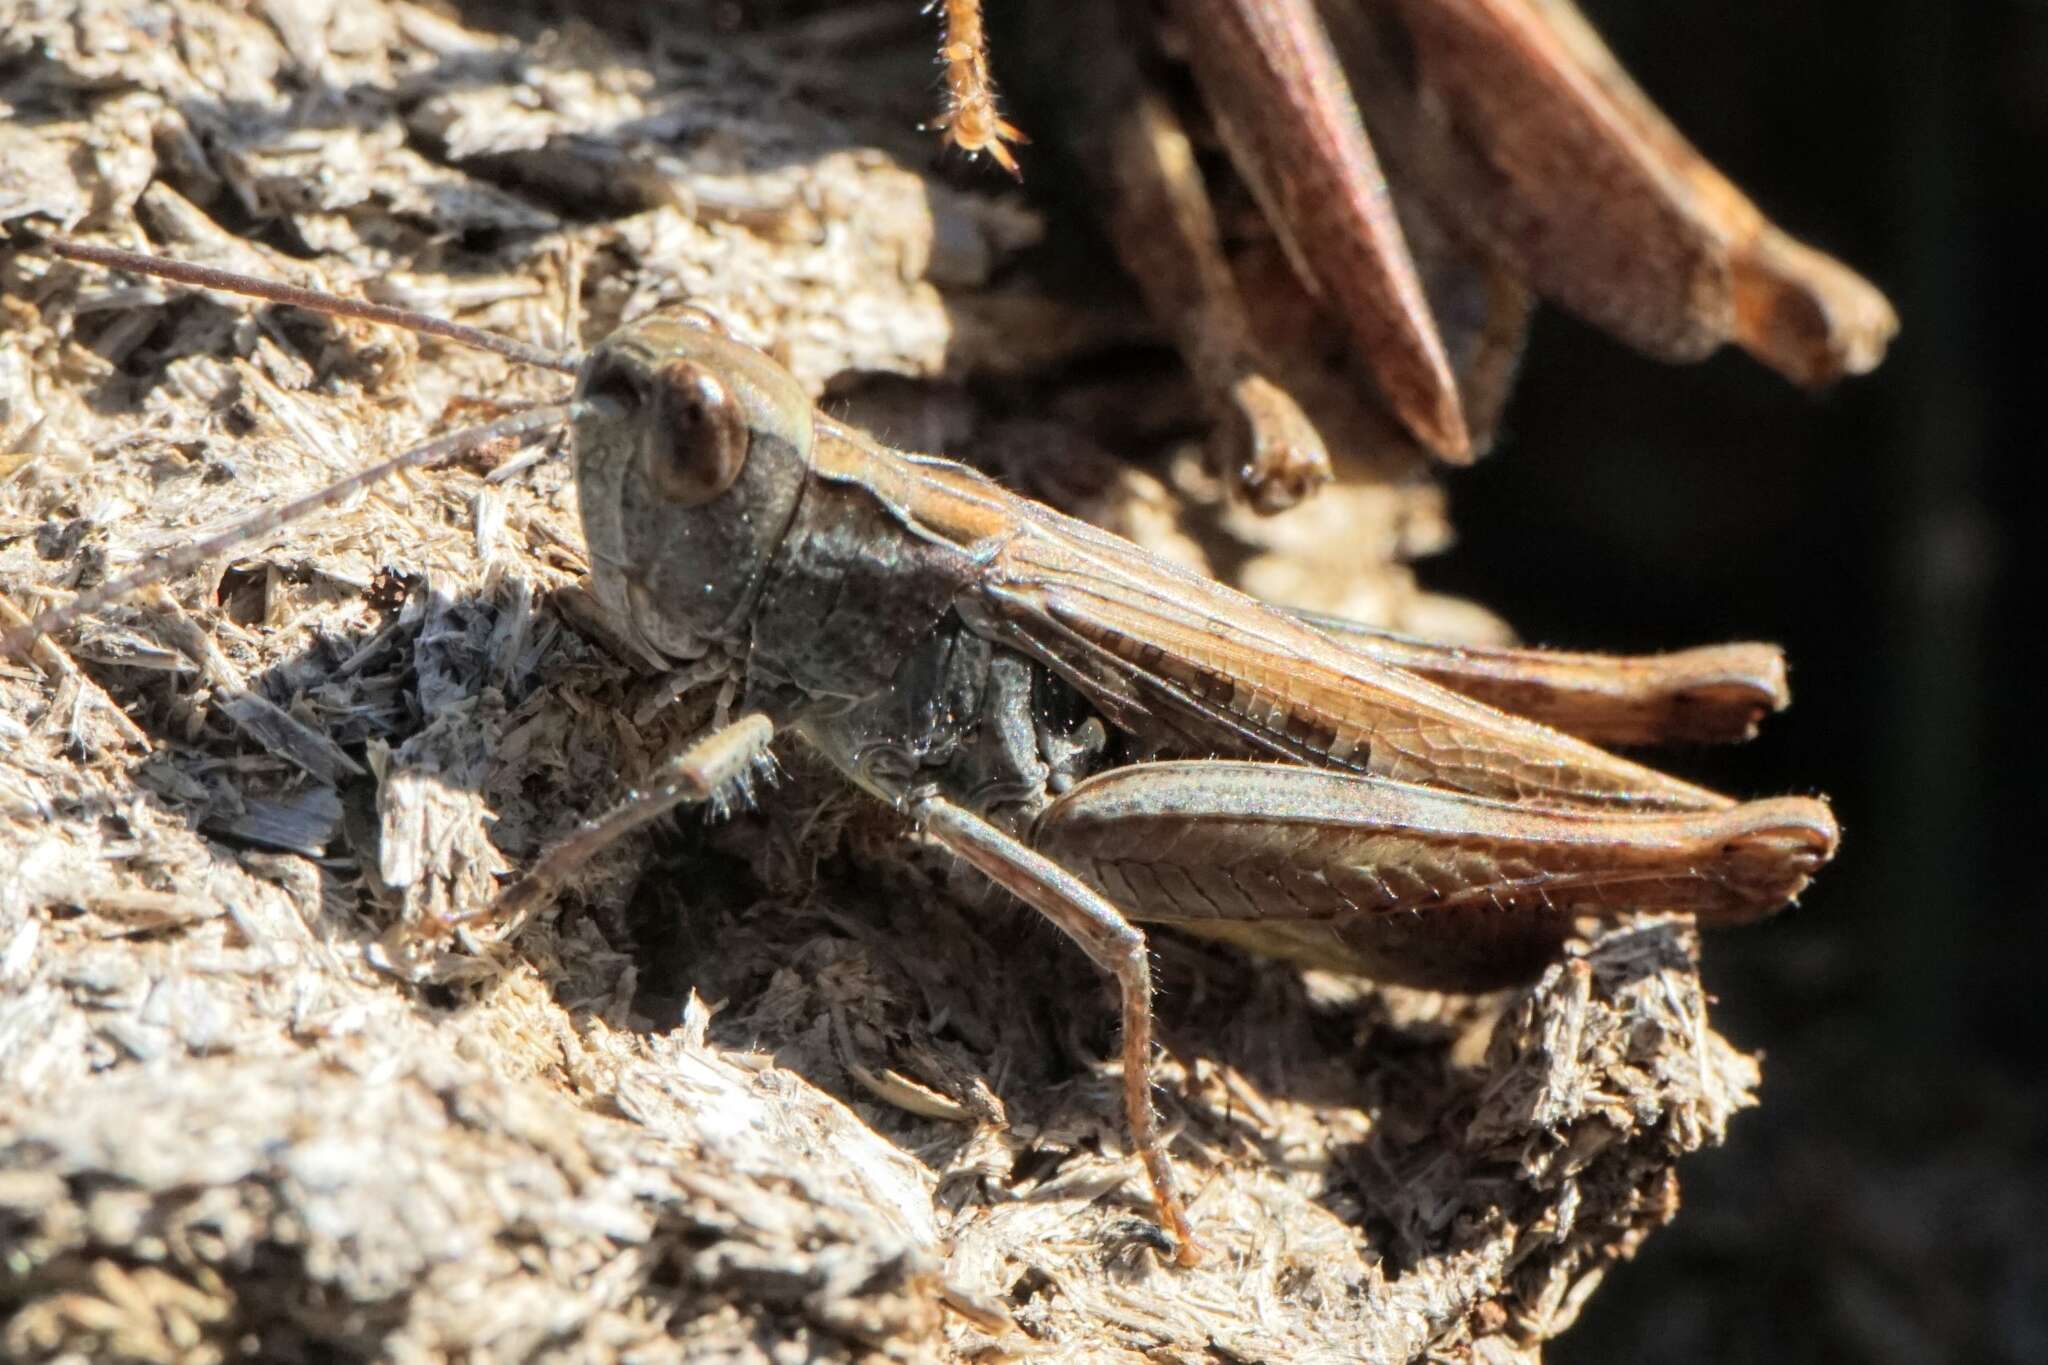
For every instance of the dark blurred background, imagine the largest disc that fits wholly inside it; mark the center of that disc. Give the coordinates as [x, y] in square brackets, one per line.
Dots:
[1889, 1202]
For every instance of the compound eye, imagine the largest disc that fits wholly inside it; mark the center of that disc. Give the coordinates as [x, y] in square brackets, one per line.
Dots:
[690, 315]
[697, 441]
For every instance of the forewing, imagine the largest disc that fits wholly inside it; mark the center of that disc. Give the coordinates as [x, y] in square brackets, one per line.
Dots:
[1714, 694]
[1195, 669]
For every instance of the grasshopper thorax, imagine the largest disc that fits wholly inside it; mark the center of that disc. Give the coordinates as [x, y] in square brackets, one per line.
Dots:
[691, 452]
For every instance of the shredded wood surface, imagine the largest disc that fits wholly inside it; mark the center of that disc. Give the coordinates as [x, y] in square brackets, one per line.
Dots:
[779, 1087]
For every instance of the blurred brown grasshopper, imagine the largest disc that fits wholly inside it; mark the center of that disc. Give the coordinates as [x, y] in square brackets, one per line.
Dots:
[1520, 161]
[1101, 733]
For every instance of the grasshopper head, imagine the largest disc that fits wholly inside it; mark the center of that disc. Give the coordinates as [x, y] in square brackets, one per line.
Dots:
[691, 450]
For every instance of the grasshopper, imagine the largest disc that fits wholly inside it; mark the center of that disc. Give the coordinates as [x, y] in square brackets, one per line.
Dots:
[1108, 737]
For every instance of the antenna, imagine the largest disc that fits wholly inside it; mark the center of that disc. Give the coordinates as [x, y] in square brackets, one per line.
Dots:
[230, 282]
[170, 563]
[184, 558]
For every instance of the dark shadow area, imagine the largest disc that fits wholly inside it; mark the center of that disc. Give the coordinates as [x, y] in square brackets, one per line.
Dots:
[1886, 1204]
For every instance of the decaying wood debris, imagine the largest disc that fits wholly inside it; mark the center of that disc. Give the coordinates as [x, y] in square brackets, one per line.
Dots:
[763, 1089]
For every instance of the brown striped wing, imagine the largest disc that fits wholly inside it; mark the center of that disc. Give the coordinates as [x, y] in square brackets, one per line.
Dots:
[1198, 670]
[1714, 694]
